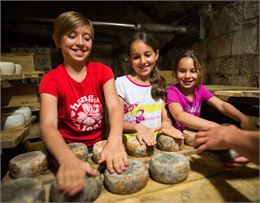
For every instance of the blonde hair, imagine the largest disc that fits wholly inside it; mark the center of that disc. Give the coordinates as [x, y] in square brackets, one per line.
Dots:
[67, 22]
[190, 54]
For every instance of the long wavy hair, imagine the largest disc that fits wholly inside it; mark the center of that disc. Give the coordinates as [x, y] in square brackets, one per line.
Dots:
[157, 81]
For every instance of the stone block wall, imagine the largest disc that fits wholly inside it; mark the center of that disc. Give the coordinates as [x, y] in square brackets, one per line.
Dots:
[230, 49]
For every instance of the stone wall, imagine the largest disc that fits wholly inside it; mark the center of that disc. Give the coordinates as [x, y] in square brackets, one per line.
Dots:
[230, 50]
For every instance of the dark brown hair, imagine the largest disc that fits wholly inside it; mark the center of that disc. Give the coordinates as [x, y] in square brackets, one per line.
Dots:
[157, 81]
[190, 54]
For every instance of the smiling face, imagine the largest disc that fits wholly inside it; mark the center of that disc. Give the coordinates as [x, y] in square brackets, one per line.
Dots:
[142, 59]
[76, 45]
[187, 75]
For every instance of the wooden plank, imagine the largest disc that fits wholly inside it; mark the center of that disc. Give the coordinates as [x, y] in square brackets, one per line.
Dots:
[24, 59]
[227, 87]
[24, 75]
[167, 74]
[221, 188]
[24, 95]
[207, 182]
[238, 93]
[11, 138]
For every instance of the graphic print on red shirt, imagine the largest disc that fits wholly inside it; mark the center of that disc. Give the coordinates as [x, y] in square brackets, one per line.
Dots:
[80, 104]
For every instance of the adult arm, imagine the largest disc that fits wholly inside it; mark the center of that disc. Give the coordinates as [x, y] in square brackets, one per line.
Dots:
[114, 153]
[187, 119]
[245, 142]
[232, 112]
[71, 172]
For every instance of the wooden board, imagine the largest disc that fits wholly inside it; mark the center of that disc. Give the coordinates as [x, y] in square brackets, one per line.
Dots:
[238, 93]
[11, 138]
[167, 74]
[207, 182]
[221, 188]
[24, 95]
[24, 59]
[24, 75]
[227, 87]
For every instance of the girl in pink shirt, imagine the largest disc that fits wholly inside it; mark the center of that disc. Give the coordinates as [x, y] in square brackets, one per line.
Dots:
[185, 98]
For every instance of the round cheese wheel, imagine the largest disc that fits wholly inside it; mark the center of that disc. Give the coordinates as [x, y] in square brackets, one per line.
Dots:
[92, 189]
[29, 164]
[167, 143]
[7, 68]
[80, 150]
[169, 167]
[134, 148]
[26, 111]
[97, 149]
[29, 190]
[132, 180]
[14, 120]
[189, 137]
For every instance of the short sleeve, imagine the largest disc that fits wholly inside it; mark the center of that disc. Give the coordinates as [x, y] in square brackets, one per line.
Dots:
[206, 94]
[120, 87]
[49, 85]
[106, 73]
[172, 95]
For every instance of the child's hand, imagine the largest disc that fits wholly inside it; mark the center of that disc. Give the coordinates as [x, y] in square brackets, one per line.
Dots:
[247, 124]
[145, 134]
[172, 132]
[115, 156]
[71, 175]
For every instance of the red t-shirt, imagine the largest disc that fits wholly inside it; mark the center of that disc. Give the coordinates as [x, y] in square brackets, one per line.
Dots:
[80, 104]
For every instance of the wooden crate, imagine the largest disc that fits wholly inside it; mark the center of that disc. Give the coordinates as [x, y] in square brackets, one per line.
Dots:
[41, 56]
[24, 95]
[167, 74]
[24, 59]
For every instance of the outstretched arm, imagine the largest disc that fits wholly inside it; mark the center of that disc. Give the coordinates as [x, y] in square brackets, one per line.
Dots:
[72, 171]
[232, 112]
[187, 119]
[114, 152]
[245, 142]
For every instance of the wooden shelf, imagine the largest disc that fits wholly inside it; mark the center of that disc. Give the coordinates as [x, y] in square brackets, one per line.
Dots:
[234, 91]
[11, 138]
[25, 75]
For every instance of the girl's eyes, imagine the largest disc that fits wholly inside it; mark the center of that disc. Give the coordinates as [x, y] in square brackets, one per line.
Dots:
[182, 70]
[73, 35]
[147, 55]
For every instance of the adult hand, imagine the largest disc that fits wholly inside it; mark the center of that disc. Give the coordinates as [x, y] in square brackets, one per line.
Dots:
[71, 175]
[145, 134]
[115, 156]
[212, 138]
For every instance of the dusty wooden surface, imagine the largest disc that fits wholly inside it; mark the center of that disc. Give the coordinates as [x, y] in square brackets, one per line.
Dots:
[207, 182]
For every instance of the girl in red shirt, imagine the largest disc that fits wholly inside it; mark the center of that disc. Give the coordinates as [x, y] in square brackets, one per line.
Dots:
[72, 104]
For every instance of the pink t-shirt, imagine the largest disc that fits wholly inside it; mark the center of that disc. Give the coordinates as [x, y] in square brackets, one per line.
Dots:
[201, 94]
[80, 104]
